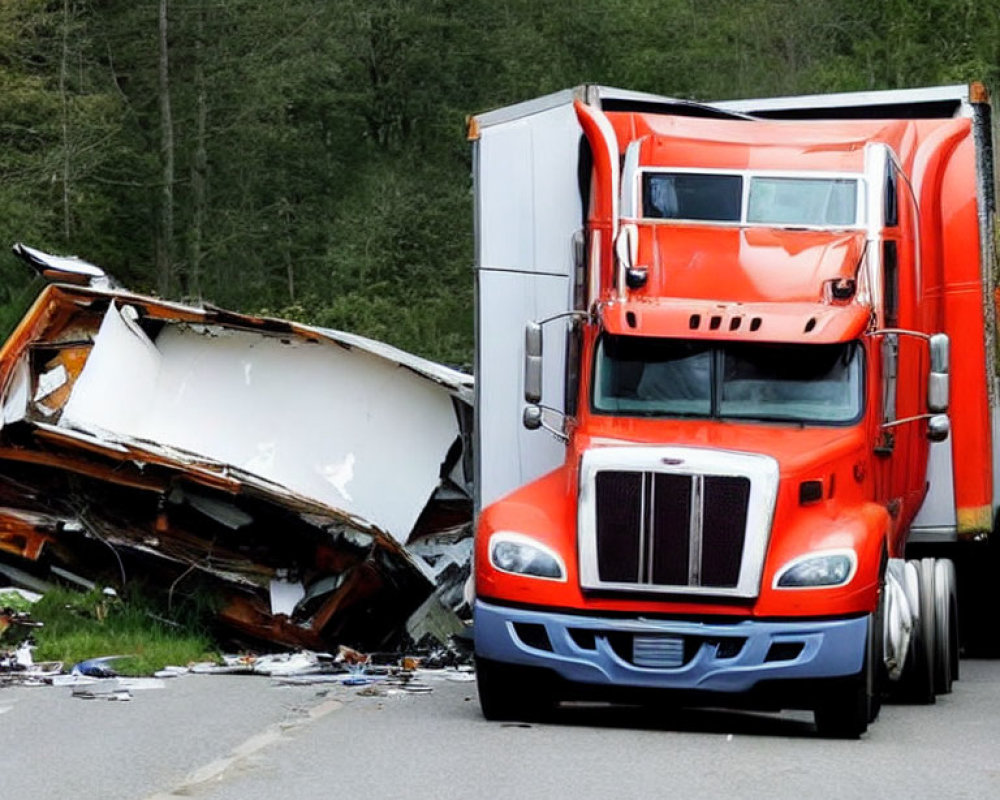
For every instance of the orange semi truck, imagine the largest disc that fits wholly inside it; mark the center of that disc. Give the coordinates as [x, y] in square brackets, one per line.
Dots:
[706, 484]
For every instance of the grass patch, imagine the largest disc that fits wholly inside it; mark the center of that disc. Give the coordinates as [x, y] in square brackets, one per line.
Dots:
[15, 601]
[78, 626]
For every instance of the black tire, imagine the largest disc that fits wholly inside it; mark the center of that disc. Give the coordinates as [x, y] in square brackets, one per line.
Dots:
[846, 710]
[956, 650]
[508, 692]
[928, 612]
[917, 682]
[946, 626]
[880, 677]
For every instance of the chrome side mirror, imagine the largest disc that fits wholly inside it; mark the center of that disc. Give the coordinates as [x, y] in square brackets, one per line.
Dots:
[940, 347]
[533, 362]
[938, 383]
[532, 417]
[938, 427]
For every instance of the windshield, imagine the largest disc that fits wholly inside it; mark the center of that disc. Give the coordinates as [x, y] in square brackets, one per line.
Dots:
[674, 377]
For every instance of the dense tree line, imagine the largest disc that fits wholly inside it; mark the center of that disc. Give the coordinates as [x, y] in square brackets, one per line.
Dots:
[307, 158]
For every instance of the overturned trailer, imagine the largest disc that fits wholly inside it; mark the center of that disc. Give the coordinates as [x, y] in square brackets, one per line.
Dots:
[311, 477]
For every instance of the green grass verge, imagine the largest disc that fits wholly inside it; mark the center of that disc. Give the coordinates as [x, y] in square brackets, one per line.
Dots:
[78, 626]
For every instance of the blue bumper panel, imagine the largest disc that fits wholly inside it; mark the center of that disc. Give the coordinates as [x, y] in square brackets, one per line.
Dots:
[720, 657]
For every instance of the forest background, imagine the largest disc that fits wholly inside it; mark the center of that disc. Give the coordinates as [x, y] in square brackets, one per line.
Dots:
[308, 159]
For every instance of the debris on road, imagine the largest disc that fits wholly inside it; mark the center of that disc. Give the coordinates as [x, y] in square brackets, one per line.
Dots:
[368, 675]
[19, 666]
[97, 667]
[171, 672]
[111, 688]
[317, 482]
[108, 689]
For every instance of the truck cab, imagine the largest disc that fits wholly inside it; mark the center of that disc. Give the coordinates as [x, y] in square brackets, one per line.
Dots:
[755, 365]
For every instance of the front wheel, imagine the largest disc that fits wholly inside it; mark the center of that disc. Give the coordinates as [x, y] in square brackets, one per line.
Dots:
[510, 692]
[846, 711]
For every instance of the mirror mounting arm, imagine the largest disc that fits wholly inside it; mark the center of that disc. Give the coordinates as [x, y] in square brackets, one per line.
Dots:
[533, 353]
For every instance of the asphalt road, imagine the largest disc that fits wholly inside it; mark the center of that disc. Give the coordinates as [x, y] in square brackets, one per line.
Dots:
[239, 737]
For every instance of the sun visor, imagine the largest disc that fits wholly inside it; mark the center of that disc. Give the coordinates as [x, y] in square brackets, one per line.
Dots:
[801, 323]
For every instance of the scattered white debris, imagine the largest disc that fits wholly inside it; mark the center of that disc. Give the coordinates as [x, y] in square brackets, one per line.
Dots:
[102, 689]
[171, 672]
[24, 594]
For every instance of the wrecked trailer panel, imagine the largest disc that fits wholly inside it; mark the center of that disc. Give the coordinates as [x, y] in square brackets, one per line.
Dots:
[65, 269]
[298, 409]
[287, 464]
[177, 531]
[25, 534]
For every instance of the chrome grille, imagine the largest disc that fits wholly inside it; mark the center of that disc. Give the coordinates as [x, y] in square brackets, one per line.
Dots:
[670, 529]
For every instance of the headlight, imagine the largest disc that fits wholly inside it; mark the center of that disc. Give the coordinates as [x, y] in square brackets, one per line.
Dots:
[521, 555]
[832, 568]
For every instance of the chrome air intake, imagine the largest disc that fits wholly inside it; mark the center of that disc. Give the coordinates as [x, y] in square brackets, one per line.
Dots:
[675, 520]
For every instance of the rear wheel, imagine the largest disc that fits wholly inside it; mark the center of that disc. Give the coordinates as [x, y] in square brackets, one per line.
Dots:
[917, 682]
[945, 625]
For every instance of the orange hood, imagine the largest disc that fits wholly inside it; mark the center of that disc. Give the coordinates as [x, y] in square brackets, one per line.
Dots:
[759, 264]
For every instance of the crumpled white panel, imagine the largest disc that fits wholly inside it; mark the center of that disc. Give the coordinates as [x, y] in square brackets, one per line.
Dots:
[343, 426]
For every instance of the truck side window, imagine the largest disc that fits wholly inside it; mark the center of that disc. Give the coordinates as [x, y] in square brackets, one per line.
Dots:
[890, 280]
[891, 197]
[574, 347]
[890, 364]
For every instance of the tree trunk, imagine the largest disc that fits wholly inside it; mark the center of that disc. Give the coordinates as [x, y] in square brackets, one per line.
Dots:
[286, 224]
[199, 165]
[64, 97]
[164, 249]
